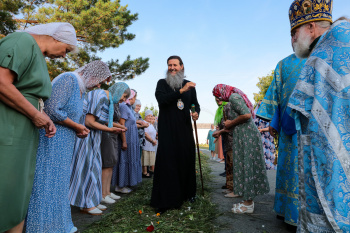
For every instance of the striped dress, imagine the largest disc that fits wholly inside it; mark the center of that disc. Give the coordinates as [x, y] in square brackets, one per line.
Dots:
[85, 184]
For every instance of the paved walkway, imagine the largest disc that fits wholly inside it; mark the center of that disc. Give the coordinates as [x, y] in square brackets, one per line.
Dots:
[262, 220]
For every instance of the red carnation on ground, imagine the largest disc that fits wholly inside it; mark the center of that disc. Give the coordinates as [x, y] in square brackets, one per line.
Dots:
[150, 228]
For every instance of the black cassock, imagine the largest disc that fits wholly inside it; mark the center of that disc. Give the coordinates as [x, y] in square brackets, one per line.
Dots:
[175, 175]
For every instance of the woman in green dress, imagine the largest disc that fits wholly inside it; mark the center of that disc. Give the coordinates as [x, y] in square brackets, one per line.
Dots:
[24, 85]
[249, 170]
[210, 141]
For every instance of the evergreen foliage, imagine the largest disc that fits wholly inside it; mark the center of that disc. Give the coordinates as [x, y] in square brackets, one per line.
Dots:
[99, 24]
[152, 108]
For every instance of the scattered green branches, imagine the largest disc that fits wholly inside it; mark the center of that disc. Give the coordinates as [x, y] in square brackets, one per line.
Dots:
[134, 214]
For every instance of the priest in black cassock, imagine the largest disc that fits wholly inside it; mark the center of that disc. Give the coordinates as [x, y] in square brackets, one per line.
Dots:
[175, 175]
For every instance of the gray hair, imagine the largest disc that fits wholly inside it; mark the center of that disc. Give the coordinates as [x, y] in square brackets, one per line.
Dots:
[323, 24]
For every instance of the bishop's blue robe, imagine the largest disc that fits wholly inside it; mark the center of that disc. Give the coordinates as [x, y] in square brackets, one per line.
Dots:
[274, 108]
[321, 99]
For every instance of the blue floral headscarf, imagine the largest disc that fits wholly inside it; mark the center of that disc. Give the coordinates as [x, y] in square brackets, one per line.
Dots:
[116, 91]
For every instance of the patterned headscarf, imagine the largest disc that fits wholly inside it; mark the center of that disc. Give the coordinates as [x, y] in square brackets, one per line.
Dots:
[115, 93]
[132, 95]
[93, 73]
[224, 92]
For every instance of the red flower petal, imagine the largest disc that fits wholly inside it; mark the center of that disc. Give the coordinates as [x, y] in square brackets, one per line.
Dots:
[150, 228]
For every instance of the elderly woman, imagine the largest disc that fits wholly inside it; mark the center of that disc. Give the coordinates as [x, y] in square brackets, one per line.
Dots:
[267, 140]
[210, 141]
[148, 157]
[141, 125]
[52, 173]
[24, 84]
[110, 146]
[129, 165]
[248, 155]
[85, 189]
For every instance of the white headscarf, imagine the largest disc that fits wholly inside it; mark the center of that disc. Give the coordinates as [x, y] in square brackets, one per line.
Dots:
[92, 74]
[137, 102]
[148, 112]
[63, 32]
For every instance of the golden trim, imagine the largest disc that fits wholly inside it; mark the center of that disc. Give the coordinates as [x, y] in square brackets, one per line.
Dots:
[311, 20]
[289, 194]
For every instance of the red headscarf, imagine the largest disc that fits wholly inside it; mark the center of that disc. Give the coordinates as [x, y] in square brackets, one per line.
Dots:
[223, 92]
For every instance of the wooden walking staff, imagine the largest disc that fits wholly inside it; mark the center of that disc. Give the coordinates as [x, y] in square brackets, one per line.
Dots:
[199, 155]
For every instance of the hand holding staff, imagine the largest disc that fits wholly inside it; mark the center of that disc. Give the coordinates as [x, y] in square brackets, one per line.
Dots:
[193, 110]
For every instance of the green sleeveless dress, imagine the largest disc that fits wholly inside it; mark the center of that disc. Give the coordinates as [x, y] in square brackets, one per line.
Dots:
[20, 53]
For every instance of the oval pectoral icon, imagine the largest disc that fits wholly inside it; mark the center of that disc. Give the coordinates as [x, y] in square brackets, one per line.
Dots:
[180, 104]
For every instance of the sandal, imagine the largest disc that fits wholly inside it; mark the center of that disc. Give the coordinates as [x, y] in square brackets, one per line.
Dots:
[147, 175]
[231, 195]
[237, 208]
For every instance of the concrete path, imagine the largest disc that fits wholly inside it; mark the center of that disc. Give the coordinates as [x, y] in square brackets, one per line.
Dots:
[262, 220]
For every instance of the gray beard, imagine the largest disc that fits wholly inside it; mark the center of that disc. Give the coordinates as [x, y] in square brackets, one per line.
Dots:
[175, 82]
[302, 45]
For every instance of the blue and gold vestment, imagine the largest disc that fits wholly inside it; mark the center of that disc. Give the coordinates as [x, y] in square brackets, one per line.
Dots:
[322, 101]
[274, 108]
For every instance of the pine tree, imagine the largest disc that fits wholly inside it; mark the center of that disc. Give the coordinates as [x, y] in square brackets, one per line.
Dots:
[99, 24]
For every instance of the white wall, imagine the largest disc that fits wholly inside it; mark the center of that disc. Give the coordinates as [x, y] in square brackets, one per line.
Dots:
[202, 135]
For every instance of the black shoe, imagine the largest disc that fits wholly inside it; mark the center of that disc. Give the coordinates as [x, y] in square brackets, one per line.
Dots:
[280, 217]
[224, 187]
[146, 176]
[222, 174]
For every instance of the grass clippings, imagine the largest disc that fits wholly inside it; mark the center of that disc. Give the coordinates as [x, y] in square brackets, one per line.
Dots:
[133, 213]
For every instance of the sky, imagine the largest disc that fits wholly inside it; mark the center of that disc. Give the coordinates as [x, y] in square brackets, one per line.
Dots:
[223, 41]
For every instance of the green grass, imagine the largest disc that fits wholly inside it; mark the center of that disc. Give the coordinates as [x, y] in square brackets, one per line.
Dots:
[203, 146]
[192, 217]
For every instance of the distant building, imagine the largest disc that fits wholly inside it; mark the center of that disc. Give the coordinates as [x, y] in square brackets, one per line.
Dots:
[203, 129]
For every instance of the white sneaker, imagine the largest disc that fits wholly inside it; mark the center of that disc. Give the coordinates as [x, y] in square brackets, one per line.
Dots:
[101, 207]
[122, 190]
[107, 200]
[114, 197]
[127, 190]
[94, 211]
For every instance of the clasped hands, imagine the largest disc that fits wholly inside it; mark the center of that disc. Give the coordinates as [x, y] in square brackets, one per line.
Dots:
[41, 120]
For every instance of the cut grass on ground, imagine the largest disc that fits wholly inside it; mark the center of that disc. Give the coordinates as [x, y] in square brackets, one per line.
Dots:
[134, 214]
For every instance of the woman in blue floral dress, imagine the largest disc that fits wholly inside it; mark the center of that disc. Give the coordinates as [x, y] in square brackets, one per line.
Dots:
[129, 165]
[267, 140]
[49, 209]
